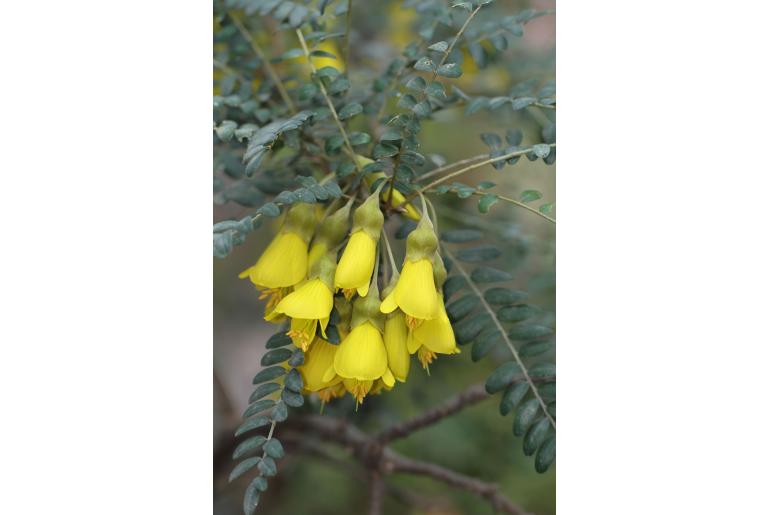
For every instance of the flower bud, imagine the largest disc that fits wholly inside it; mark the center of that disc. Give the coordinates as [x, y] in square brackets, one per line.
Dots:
[422, 242]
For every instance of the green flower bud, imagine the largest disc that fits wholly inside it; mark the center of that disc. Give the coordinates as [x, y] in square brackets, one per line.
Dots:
[301, 219]
[335, 227]
[368, 216]
[422, 242]
[368, 309]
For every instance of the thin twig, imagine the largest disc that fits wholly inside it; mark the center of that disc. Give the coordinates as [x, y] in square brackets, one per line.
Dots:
[346, 51]
[518, 203]
[348, 146]
[265, 62]
[473, 167]
[442, 169]
[503, 333]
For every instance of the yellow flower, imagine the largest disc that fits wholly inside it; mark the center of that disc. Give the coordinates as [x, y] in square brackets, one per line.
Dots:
[433, 337]
[317, 361]
[361, 358]
[354, 271]
[395, 338]
[309, 304]
[331, 232]
[284, 262]
[415, 291]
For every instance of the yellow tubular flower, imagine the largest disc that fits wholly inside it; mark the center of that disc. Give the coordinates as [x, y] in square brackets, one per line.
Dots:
[331, 232]
[354, 271]
[317, 361]
[396, 198]
[310, 304]
[361, 358]
[284, 261]
[433, 337]
[415, 292]
[396, 345]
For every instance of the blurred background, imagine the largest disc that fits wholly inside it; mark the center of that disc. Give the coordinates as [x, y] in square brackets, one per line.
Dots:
[477, 441]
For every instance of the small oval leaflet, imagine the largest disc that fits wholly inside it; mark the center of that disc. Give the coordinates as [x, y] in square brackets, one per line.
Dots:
[278, 340]
[258, 406]
[502, 377]
[252, 423]
[292, 399]
[248, 446]
[268, 374]
[274, 449]
[535, 436]
[545, 455]
[486, 274]
[461, 235]
[264, 390]
[280, 412]
[478, 254]
[525, 416]
[513, 396]
[504, 296]
[267, 466]
[243, 467]
[528, 332]
[275, 356]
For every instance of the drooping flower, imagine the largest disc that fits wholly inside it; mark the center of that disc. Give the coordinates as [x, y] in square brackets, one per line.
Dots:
[395, 337]
[310, 304]
[331, 232]
[317, 361]
[433, 337]
[354, 270]
[361, 358]
[283, 264]
[415, 291]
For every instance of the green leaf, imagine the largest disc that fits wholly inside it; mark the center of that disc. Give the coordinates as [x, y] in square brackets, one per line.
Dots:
[333, 143]
[292, 399]
[424, 64]
[422, 109]
[406, 101]
[270, 210]
[293, 381]
[461, 235]
[275, 356]
[243, 467]
[453, 285]
[502, 377]
[226, 129]
[486, 274]
[486, 202]
[504, 296]
[382, 150]
[322, 53]
[416, 83]
[280, 412]
[359, 138]
[532, 349]
[460, 308]
[339, 85]
[516, 313]
[541, 150]
[248, 446]
[441, 46]
[547, 391]
[450, 70]
[391, 134]
[268, 374]
[536, 436]
[530, 195]
[470, 328]
[329, 72]
[543, 370]
[484, 343]
[267, 466]
[258, 407]
[292, 53]
[545, 455]
[528, 332]
[512, 397]
[278, 340]
[476, 104]
[350, 111]
[274, 449]
[251, 497]
[546, 208]
[436, 90]
[252, 423]
[478, 254]
[522, 102]
[264, 390]
[297, 358]
[525, 416]
[260, 483]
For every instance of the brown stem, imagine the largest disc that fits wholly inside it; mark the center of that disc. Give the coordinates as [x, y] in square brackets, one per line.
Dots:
[376, 493]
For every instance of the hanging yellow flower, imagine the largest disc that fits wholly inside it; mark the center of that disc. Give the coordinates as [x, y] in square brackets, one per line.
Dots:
[415, 291]
[361, 358]
[354, 270]
[317, 361]
[433, 337]
[310, 304]
[331, 232]
[395, 337]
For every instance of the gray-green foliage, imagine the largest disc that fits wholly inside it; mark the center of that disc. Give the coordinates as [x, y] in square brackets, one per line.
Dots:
[285, 133]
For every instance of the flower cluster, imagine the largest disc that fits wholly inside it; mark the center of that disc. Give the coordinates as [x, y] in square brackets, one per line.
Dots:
[323, 275]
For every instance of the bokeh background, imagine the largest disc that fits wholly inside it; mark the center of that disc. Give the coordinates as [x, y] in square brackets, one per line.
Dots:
[477, 441]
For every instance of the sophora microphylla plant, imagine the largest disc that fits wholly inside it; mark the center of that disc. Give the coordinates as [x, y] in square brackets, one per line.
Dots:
[342, 165]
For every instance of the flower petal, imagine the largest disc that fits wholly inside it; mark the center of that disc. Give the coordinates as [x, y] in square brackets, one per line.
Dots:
[282, 264]
[362, 354]
[311, 300]
[415, 291]
[396, 345]
[356, 265]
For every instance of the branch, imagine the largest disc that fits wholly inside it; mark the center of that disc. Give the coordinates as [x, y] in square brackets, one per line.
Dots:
[488, 491]
[503, 333]
[442, 169]
[376, 493]
[265, 62]
[348, 146]
[517, 203]
[472, 395]
[472, 167]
